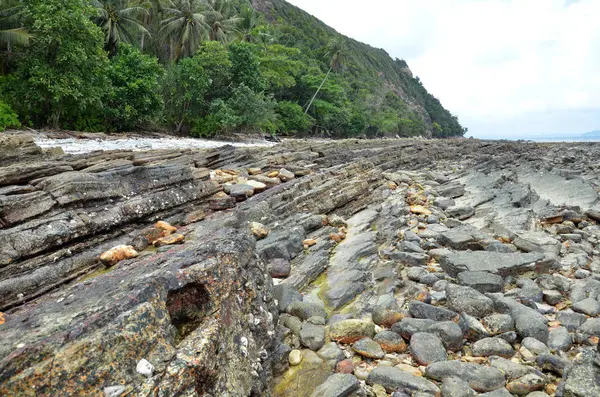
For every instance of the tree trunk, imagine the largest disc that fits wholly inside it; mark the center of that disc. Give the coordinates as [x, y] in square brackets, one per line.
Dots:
[317, 93]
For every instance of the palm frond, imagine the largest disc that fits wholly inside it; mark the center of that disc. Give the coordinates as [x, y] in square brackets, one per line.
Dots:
[18, 36]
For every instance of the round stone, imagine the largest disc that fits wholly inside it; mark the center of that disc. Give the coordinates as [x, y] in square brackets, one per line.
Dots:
[295, 357]
[367, 347]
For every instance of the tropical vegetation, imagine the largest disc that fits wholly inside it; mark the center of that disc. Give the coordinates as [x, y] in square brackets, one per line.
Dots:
[202, 67]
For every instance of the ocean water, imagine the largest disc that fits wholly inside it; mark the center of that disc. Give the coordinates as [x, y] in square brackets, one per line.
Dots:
[564, 139]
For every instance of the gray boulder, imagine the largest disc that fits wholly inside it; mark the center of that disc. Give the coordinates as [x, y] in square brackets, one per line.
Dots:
[427, 348]
[468, 300]
[312, 336]
[500, 263]
[492, 347]
[393, 379]
[449, 333]
[337, 385]
[481, 281]
[479, 377]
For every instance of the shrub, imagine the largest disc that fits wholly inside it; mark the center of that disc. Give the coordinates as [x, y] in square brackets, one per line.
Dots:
[134, 96]
[184, 87]
[292, 118]
[63, 71]
[8, 118]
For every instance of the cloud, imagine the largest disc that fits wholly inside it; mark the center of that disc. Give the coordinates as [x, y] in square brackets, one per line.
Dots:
[487, 60]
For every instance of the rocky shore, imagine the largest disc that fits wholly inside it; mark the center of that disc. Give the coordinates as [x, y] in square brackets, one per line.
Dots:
[350, 268]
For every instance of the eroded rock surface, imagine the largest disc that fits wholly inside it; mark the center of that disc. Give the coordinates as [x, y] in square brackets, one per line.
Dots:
[411, 267]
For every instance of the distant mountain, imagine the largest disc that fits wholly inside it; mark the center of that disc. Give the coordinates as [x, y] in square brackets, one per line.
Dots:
[592, 134]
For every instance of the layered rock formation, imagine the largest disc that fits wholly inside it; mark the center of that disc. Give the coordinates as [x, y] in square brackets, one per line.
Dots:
[423, 267]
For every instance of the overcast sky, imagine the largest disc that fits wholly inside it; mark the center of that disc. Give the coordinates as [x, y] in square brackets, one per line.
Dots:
[506, 68]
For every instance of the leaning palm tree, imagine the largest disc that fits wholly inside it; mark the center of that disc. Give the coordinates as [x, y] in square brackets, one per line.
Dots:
[184, 26]
[336, 50]
[121, 21]
[11, 31]
[222, 20]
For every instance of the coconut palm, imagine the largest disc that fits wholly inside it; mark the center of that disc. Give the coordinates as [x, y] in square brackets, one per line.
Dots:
[336, 52]
[248, 22]
[11, 31]
[222, 20]
[184, 26]
[121, 21]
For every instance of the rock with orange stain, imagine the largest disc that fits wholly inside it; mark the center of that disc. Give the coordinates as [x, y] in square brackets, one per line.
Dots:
[420, 210]
[165, 226]
[390, 342]
[350, 331]
[309, 242]
[170, 240]
[2, 319]
[337, 237]
[345, 367]
[117, 254]
[410, 369]
[259, 230]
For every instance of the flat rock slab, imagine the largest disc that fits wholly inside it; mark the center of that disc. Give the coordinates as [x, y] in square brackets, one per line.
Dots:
[500, 263]
[175, 310]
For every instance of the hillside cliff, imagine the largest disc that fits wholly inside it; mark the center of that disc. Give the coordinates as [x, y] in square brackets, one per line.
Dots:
[386, 85]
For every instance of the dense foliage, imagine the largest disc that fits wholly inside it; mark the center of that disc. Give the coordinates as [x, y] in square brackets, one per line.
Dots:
[203, 67]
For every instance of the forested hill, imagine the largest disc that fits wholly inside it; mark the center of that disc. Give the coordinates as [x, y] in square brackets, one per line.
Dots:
[203, 68]
[375, 78]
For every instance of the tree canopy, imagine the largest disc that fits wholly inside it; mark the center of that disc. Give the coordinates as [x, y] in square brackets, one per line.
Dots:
[202, 67]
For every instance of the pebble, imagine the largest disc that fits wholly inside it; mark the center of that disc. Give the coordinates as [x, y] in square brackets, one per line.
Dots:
[286, 175]
[113, 391]
[361, 373]
[390, 342]
[367, 347]
[145, 368]
[295, 357]
[526, 384]
[345, 367]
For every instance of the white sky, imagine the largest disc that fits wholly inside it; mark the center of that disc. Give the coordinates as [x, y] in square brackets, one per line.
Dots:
[506, 68]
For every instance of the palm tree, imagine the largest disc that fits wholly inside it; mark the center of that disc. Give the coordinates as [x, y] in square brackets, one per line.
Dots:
[221, 19]
[121, 21]
[248, 22]
[184, 26]
[336, 50]
[11, 32]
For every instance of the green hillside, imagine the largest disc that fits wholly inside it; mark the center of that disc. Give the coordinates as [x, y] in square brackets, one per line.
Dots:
[203, 68]
[368, 68]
